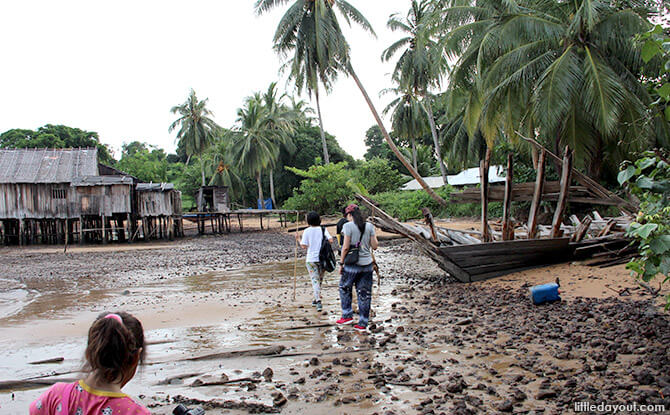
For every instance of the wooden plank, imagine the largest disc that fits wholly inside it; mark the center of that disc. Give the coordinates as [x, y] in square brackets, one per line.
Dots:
[537, 196]
[507, 228]
[506, 246]
[484, 175]
[566, 175]
[472, 261]
[382, 219]
[582, 229]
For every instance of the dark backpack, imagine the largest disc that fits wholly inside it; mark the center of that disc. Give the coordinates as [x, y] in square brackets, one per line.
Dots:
[326, 257]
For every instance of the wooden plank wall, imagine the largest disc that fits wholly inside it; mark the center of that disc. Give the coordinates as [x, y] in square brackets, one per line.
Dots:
[155, 203]
[36, 201]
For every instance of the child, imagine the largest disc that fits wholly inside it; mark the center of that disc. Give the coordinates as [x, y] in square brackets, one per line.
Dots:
[311, 240]
[115, 348]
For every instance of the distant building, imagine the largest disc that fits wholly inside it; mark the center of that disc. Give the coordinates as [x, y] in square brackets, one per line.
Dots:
[65, 196]
[468, 177]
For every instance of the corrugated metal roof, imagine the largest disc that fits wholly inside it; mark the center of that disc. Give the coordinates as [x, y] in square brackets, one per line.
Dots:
[47, 165]
[466, 177]
[154, 187]
[101, 181]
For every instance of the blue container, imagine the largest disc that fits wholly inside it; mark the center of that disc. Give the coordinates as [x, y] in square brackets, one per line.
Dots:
[544, 293]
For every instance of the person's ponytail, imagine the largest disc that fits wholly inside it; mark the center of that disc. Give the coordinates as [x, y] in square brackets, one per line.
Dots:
[358, 220]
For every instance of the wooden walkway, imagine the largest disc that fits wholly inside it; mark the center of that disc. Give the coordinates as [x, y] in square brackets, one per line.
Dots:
[222, 222]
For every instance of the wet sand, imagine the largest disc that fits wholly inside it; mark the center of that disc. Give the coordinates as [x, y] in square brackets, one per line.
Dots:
[434, 346]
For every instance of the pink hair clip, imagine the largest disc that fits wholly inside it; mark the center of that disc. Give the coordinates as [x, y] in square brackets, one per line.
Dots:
[115, 317]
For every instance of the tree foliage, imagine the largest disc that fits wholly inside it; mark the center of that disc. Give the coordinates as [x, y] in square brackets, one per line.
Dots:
[146, 162]
[649, 179]
[324, 189]
[378, 176]
[56, 136]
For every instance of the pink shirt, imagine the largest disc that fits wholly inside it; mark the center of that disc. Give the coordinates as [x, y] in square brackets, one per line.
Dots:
[85, 400]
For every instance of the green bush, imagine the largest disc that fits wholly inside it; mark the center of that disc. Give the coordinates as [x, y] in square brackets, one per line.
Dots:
[649, 179]
[378, 176]
[324, 189]
[407, 205]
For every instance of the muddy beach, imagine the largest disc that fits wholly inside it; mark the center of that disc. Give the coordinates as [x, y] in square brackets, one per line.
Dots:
[225, 333]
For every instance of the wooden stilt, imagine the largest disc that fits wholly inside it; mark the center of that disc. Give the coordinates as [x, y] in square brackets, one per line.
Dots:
[104, 230]
[21, 231]
[239, 219]
[484, 174]
[566, 176]
[508, 228]
[537, 196]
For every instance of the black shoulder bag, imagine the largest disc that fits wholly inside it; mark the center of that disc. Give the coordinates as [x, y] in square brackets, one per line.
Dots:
[352, 255]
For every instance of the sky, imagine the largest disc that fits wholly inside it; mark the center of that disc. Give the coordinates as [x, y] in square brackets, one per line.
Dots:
[118, 67]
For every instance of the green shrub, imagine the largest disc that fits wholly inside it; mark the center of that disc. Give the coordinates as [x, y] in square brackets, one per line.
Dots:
[407, 205]
[324, 189]
[378, 176]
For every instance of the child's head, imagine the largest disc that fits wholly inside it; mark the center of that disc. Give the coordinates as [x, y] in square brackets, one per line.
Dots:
[313, 219]
[115, 346]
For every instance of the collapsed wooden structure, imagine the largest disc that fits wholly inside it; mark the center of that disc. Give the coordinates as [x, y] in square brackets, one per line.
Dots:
[61, 196]
[507, 246]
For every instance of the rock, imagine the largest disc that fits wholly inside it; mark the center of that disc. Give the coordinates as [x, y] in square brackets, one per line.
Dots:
[543, 394]
[506, 406]
[314, 361]
[643, 377]
[279, 399]
[267, 374]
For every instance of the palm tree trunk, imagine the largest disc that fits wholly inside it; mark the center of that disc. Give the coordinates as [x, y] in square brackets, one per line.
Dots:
[414, 162]
[202, 169]
[260, 189]
[391, 144]
[326, 158]
[272, 189]
[436, 142]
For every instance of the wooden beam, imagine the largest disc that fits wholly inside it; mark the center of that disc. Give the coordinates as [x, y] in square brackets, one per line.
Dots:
[537, 196]
[507, 227]
[582, 229]
[431, 224]
[588, 182]
[566, 176]
[484, 175]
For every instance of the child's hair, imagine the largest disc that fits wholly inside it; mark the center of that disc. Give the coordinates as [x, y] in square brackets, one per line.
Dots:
[313, 219]
[114, 340]
[344, 212]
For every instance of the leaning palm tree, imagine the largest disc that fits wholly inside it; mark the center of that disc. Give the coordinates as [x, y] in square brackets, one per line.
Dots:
[253, 140]
[421, 64]
[310, 29]
[196, 128]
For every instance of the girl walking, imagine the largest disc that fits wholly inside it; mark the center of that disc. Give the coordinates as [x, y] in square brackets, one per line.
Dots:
[356, 269]
[311, 240]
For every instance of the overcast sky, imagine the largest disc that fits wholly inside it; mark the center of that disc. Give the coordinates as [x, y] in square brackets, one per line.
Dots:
[118, 67]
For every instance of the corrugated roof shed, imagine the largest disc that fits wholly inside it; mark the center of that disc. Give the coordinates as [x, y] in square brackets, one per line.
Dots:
[47, 165]
[466, 177]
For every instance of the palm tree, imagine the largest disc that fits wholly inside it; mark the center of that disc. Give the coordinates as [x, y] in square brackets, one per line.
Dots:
[310, 34]
[255, 139]
[310, 29]
[408, 118]
[567, 70]
[221, 166]
[281, 120]
[421, 64]
[196, 129]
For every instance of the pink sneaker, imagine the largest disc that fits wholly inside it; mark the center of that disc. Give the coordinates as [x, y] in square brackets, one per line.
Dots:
[344, 321]
[360, 328]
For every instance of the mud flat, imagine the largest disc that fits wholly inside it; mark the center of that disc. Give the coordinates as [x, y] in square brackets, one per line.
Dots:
[226, 334]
